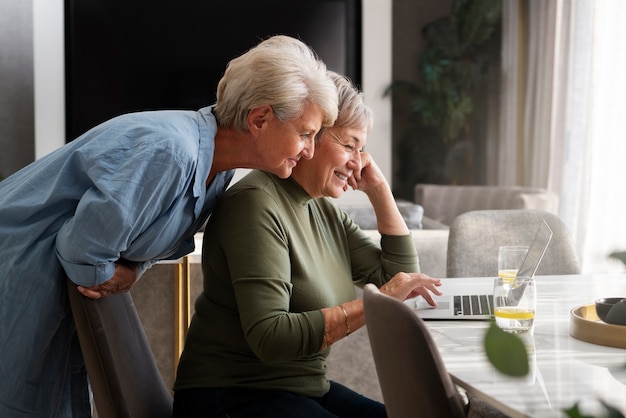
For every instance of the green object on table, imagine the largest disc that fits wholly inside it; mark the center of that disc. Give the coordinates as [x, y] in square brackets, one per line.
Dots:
[506, 352]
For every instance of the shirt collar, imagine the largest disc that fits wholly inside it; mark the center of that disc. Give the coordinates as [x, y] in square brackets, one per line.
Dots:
[207, 127]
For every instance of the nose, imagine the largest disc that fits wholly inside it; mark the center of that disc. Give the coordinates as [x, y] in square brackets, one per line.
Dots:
[355, 163]
[309, 149]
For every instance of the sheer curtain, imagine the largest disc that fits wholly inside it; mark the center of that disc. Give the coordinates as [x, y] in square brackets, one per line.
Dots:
[564, 98]
[601, 222]
[532, 83]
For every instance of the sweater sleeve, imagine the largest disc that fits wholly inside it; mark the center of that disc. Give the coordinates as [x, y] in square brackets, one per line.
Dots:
[378, 263]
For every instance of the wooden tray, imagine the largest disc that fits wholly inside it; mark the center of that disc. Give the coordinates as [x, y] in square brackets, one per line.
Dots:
[585, 325]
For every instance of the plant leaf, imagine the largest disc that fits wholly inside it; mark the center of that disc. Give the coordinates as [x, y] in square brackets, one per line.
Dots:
[477, 19]
[442, 34]
[574, 412]
[611, 412]
[506, 352]
[620, 255]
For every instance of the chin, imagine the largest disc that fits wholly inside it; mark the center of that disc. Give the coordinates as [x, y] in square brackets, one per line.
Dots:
[336, 194]
[283, 172]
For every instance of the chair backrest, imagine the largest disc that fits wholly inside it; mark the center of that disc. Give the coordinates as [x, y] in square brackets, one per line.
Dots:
[444, 203]
[363, 214]
[475, 237]
[122, 371]
[412, 375]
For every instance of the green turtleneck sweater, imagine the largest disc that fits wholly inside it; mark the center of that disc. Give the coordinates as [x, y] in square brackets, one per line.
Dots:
[273, 257]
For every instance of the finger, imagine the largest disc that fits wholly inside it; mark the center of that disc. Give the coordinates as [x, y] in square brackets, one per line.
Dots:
[428, 298]
[91, 294]
[353, 183]
[434, 290]
[110, 290]
[116, 289]
[423, 280]
[366, 159]
[434, 282]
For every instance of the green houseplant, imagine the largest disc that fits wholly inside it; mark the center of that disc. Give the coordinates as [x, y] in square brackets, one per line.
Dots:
[445, 104]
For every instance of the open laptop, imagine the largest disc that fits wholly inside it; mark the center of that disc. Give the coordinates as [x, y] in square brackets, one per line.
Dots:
[472, 298]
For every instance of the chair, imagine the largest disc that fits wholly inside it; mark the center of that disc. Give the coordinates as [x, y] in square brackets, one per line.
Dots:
[122, 371]
[413, 379]
[442, 203]
[475, 237]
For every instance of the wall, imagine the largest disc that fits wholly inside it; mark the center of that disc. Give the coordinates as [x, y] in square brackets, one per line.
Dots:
[21, 48]
[16, 85]
[49, 67]
[49, 80]
[409, 16]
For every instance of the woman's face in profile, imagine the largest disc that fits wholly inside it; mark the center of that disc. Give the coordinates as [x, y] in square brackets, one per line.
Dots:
[337, 157]
[283, 144]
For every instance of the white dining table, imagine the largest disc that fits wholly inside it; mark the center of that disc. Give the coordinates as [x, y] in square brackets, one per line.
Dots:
[565, 371]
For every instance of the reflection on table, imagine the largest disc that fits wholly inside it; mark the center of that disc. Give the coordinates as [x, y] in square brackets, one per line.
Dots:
[564, 370]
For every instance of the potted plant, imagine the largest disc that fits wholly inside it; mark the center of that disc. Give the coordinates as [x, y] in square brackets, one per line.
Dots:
[446, 102]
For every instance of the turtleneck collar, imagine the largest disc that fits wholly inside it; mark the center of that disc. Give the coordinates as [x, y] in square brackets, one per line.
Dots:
[292, 189]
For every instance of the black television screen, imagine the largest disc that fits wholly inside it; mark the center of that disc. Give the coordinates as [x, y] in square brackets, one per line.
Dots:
[132, 55]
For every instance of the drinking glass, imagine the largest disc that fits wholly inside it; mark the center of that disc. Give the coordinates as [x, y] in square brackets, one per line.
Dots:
[514, 304]
[510, 259]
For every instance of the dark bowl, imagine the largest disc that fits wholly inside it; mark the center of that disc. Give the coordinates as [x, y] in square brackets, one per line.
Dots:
[604, 305]
[617, 314]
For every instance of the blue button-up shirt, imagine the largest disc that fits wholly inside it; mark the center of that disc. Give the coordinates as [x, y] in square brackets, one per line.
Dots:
[133, 188]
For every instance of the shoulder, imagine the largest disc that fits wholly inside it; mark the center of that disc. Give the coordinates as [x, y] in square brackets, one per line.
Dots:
[143, 123]
[152, 148]
[249, 205]
[155, 135]
[257, 188]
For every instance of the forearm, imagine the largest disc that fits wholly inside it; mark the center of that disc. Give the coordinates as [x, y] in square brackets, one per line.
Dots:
[388, 217]
[340, 321]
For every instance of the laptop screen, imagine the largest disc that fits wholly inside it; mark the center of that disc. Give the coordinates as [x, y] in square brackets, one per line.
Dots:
[536, 251]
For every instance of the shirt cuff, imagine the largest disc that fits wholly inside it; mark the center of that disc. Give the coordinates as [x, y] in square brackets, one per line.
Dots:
[87, 274]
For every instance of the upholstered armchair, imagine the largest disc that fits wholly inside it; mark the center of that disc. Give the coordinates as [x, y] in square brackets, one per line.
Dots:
[443, 203]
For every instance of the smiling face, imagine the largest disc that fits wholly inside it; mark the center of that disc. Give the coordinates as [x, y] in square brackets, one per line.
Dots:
[283, 144]
[337, 157]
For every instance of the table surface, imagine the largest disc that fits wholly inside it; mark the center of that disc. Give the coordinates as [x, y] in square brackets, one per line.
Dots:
[564, 370]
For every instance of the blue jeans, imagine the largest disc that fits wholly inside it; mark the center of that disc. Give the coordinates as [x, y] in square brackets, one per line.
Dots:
[239, 403]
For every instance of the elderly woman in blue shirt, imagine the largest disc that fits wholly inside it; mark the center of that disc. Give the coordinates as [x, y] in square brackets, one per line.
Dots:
[128, 193]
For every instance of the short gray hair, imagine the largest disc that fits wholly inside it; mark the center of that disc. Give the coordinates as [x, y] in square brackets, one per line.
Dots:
[353, 112]
[282, 72]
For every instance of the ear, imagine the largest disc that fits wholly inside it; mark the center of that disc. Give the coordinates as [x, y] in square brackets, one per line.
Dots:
[258, 117]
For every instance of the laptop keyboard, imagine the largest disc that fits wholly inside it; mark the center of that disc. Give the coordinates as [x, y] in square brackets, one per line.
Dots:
[473, 305]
